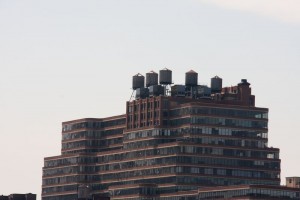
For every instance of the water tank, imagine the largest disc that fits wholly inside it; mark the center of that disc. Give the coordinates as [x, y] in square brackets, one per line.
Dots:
[165, 76]
[151, 78]
[216, 84]
[191, 78]
[156, 90]
[138, 81]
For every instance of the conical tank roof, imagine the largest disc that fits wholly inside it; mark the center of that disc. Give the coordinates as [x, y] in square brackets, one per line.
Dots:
[192, 72]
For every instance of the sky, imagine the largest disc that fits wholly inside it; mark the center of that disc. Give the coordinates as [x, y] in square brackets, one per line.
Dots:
[68, 59]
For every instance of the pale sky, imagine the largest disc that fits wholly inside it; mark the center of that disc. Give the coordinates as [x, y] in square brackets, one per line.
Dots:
[67, 59]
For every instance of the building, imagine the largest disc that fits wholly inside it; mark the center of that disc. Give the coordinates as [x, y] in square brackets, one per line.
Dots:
[246, 192]
[172, 141]
[28, 196]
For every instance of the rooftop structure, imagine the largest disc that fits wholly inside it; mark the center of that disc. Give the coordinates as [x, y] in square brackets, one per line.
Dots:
[293, 182]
